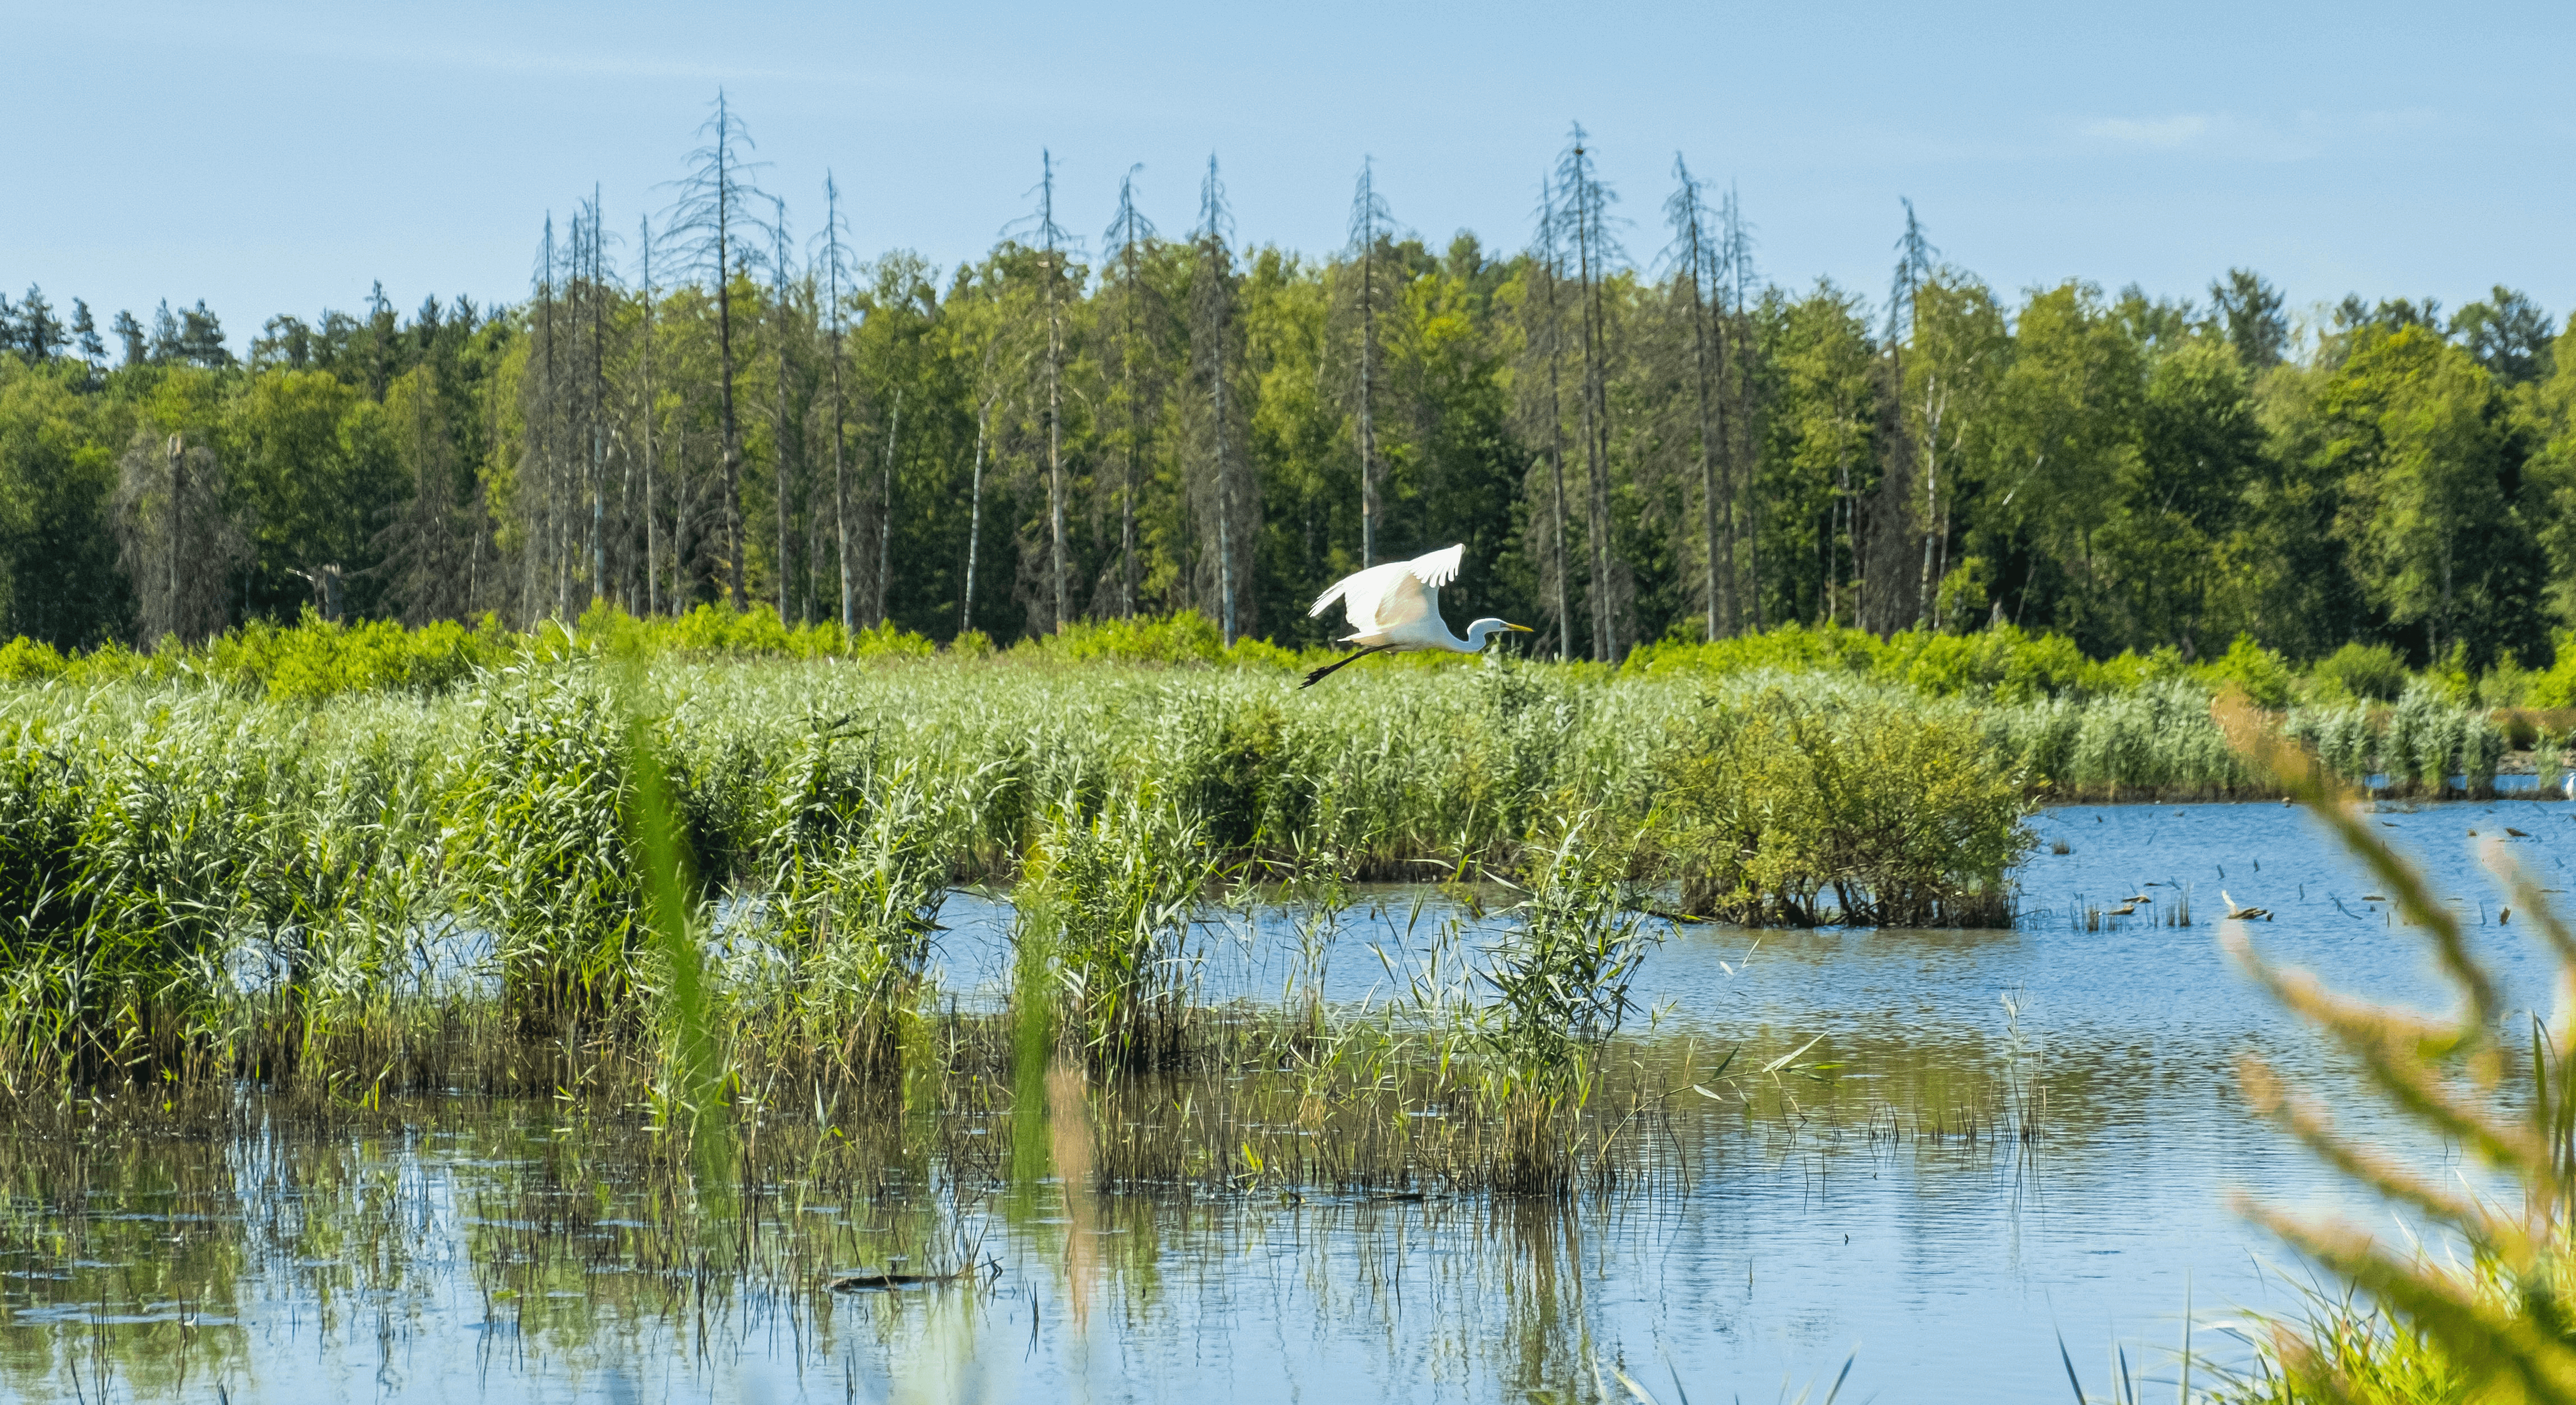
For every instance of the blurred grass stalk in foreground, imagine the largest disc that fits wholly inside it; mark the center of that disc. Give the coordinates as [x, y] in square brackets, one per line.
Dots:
[2498, 1327]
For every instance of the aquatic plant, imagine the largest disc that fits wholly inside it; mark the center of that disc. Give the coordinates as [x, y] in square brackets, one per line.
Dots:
[1105, 910]
[2414, 747]
[539, 847]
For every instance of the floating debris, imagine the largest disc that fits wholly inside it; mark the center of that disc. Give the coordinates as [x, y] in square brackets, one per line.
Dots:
[880, 1282]
[2244, 914]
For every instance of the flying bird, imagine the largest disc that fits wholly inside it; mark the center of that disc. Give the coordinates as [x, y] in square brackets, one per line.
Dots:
[1396, 607]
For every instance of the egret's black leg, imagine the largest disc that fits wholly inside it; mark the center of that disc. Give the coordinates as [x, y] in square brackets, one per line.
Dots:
[1351, 658]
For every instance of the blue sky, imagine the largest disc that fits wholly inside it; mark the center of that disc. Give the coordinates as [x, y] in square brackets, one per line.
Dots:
[280, 158]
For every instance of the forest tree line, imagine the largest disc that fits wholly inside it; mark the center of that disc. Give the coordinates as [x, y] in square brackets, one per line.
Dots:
[1636, 434]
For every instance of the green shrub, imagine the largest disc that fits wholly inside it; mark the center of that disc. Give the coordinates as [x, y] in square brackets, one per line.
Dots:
[2360, 672]
[2263, 676]
[1181, 638]
[1905, 816]
[2555, 686]
[1791, 648]
[2001, 664]
[25, 660]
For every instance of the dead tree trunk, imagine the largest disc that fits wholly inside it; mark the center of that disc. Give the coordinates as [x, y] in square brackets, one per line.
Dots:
[1586, 210]
[712, 207]
[1368, 221]
[1689, 218]
[782, 474]
[975, 513]
[1132, 234]
[832, 271]
[1211, 311]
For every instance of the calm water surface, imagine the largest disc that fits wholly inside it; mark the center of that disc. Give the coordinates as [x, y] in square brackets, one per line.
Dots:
[406, 1265]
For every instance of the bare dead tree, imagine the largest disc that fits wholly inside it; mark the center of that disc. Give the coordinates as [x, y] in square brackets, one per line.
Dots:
[1914, 256]
[1369, 220]
[1737, 235]
[1131, 238]
[537, 490]
[1585, 212]
[1543, 341]
[1053, 245]
[988, 391]
[1695, 259]
[836, 271]
[783, 470]
[1211, 319]
[1892, 584]
[652, 527]
[885, 511]
[177, 543]
[595, 297]
[713, 215]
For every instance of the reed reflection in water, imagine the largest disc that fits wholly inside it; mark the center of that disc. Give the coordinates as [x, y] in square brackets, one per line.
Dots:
[1938, 1149]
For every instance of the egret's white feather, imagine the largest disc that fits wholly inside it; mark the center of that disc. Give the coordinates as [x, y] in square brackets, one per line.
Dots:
[1383, 599]
[1438, 568]
[1397, 606]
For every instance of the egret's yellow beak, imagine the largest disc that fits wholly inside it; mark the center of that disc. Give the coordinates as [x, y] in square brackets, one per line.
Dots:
[1521, 628]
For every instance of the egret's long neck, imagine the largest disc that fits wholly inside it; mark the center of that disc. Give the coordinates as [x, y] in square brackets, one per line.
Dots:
[1477, 634]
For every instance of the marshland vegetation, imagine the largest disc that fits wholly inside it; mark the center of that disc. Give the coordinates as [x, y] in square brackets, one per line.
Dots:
[424, 917]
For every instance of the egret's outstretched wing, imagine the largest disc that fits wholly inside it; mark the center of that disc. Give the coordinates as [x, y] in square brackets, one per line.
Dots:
[1438, 568]
[1388, 597]
[1366, 595]
[1334, 592]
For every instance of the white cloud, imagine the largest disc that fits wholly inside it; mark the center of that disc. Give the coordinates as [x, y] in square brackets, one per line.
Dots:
[2154, 133]
[2216, 134]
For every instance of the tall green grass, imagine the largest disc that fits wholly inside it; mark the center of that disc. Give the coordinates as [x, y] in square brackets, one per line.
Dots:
[204, 879]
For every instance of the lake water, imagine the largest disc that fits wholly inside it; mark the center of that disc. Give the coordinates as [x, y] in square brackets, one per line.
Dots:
[413, 1261]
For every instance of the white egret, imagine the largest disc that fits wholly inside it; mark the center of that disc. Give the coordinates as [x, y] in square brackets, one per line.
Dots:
[1397, 607]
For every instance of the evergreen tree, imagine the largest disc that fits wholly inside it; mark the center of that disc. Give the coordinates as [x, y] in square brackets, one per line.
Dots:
[201, 339]
[2252, 311]
[85, 334]
[40, 336]
[129, 335]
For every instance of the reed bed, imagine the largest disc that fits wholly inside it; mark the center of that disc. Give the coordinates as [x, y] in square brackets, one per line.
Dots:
[384, 893]
[387, 892]
[198, 882]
